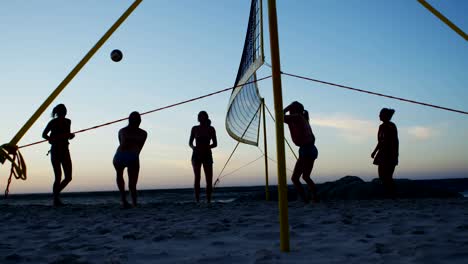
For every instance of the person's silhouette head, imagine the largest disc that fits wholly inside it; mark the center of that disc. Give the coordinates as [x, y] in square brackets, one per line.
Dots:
[298, 108]
[134, 119]
[203, 118]
[386, 114]
[59, 111]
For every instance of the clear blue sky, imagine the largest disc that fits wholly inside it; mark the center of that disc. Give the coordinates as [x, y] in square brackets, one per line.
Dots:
[175, 50]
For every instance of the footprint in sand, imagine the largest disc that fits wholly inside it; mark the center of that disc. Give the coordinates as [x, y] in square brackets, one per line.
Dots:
[68, 258]
[418, 232]
[397, 231]
[327, 222]
[182, 234]
[262, 235]
[265, 256]
[15, 258]
[381, 248]
[133, 236]
[218, 243]
[218, 228]
[103, 230]
[300, 226]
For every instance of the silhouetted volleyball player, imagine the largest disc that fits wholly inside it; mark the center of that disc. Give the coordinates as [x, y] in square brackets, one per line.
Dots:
[131, 141]
[59, 128]
[302, 136]
[385, 154]
[205, 139]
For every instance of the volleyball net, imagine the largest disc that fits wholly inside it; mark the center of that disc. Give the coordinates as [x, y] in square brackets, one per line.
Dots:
[243, 117]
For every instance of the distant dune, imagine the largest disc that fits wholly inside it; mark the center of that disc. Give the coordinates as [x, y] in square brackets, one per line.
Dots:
[354, 188]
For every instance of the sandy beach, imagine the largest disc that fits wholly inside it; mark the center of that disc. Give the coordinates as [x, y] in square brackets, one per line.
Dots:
[373, 231]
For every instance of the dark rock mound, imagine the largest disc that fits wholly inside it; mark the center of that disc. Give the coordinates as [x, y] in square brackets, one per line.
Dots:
[347, 188]
[354, 188]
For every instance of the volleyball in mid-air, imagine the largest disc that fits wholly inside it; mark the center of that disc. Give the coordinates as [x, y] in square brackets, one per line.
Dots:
[116, 55]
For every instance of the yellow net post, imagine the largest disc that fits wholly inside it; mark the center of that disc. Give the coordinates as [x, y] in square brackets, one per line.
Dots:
[279, 116]
[444, 19]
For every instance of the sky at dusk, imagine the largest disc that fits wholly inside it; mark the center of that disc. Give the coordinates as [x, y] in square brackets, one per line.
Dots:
[175, 50]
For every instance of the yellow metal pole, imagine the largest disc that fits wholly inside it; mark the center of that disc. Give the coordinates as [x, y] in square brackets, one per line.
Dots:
[444, 19]
[265, 147]
[72, 74]
[279, 116]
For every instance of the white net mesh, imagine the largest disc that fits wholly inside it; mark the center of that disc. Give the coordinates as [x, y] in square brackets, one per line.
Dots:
[243, 117]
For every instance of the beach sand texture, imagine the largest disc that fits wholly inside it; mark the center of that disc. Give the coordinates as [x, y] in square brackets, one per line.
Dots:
[372, 231]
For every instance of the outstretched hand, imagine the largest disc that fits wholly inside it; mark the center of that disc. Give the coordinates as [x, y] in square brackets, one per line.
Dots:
[373, 154]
